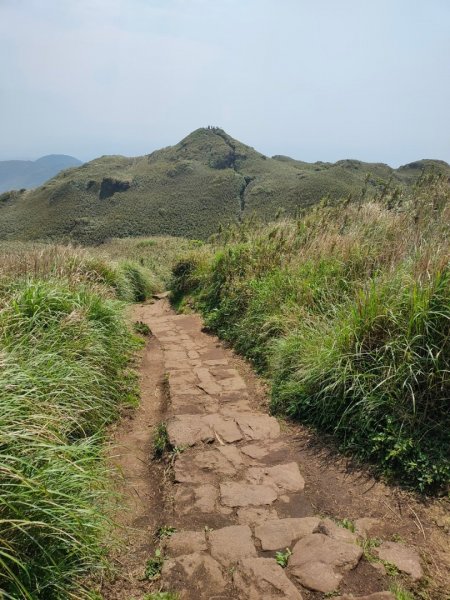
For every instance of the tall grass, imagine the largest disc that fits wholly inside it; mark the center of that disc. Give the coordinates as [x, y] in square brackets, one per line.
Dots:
[64, 352]
[347, 310]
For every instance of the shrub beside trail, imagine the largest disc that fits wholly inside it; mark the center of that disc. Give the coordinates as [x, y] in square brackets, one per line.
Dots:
[347, 311]
[64, 356]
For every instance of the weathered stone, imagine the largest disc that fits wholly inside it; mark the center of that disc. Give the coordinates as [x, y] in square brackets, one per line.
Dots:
[225, 428]
[318, 561]
[281, 533]
[376, 596]
[175, 365]
[187, 390]
[188, 430]
[187, 471]
[175, 355]
[206, 497]
[185, 542]
[230, 544]
[335, 531]
[284, 478]
[182, 378]
[194, 576]
[186, 405]
[232, 397]
[257, 426]
[207, 381]
[263, 579]
[317, 576]
[260, 450]
[405, 559]
[201, 499]
[234, 406]
[232, 454]
[233, 384]
[246, 494]
[209, 387]
[215, 462]
[253, 515]
[216, 361]
[224, 373]
[367, 527]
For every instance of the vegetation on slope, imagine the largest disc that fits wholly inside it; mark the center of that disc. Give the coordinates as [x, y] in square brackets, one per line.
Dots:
[206, 180]
[64, 353]
[347, 310]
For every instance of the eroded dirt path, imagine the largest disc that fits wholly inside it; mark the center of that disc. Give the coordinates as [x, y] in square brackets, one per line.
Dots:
[242, 488]
[140, 480]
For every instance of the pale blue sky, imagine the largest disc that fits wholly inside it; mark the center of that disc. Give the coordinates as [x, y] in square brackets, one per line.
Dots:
[317, 80]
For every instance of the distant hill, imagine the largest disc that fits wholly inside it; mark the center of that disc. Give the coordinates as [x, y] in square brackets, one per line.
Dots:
[187, 190]
[20, 174]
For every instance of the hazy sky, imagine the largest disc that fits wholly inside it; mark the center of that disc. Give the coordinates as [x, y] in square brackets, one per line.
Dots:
[314, 79]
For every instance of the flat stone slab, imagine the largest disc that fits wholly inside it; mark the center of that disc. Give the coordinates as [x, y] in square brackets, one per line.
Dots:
[284, 478]
[186, 470]
[185, 542]
[230, 544]
[256, 426]
[407, 560]
[182, 378]
[318, 561]
[210, 387]
[187, 405]
[194, 575]
[232, 454]
[255, 515]
[335, 531]
[201, 498]
[234, 406]
[188, 430]
[246, 494]
[224, 427]
[263, 579]
[233, 384]
[213, 462]
[260, 450]
[281, 533]
[176, 355]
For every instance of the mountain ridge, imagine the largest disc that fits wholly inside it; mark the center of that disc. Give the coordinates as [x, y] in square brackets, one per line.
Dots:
[25, 174]
[189, 189]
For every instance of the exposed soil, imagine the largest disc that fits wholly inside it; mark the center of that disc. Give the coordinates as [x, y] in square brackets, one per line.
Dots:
[234, 478]
[140, 479]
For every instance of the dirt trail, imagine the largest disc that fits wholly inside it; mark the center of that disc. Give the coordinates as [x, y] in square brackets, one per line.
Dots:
[241, 487]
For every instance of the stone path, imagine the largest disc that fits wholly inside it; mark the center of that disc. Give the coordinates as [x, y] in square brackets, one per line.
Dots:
[237, 496]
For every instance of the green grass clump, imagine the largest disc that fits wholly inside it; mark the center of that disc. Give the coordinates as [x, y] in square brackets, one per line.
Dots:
[347, 311]
[64, 352]
[140, 283]
[160, 441]
[154, 565]
[377, 376]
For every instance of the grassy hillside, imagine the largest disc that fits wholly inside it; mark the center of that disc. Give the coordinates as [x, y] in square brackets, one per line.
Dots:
[18, 174]
[206, 180]
[347, 311]
[64, 358]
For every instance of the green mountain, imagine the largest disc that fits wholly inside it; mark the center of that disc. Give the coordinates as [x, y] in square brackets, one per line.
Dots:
[187, 190]
[20, 174]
